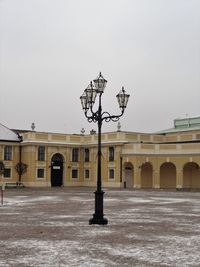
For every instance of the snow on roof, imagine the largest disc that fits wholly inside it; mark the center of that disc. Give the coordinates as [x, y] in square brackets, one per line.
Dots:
[7, 135]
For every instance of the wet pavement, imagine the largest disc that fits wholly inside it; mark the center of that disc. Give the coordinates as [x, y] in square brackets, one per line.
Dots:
[50, 227]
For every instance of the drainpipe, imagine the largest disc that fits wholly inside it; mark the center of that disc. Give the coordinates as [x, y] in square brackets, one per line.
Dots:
[20, 162]
[20, 159]
[120, 169]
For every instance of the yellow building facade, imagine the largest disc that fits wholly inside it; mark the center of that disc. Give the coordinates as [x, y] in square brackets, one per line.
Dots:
[168, 159]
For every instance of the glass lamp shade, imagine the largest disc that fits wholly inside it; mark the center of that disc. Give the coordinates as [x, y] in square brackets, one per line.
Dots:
[122, 98]
[84, 102]
[91, 94]
[100, 83]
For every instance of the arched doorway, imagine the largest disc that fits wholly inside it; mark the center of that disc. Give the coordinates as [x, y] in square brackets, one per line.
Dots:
[167, 175]
[57, 170]
[191, 175]
[146, 175]
[128, 175]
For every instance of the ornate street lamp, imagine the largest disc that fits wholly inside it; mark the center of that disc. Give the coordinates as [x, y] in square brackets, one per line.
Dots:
[88, 98]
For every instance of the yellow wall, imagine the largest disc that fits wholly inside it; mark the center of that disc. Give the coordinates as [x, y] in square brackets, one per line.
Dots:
[155, 163]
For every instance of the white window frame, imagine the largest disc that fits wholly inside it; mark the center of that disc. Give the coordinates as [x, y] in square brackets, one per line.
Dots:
[10, 177]
[40, 178]
[112, 179]
[11, 152]
[75, 178]
[86, 178]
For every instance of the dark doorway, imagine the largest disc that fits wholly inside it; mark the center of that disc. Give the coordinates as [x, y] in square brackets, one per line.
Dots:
[57, 170]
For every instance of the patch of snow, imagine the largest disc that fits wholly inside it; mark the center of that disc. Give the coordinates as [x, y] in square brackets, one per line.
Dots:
[27, 200]
[139, 200]
[80, 199]
[166, 251]
[7, 134]
[63, 216]
[48, 253]
[162, 200]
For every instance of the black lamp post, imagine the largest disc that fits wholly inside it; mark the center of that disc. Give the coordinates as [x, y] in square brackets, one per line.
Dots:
[88, 100]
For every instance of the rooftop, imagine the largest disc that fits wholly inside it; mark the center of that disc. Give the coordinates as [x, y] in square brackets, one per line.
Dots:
[8, 135]
[181, 125]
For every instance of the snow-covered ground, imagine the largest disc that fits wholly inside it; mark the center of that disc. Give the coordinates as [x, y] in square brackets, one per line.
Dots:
[49, 228]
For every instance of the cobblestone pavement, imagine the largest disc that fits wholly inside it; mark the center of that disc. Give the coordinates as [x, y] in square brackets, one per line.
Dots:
[49, 227]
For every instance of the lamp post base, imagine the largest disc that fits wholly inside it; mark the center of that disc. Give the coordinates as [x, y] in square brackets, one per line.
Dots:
[98, 215]
[98, 220]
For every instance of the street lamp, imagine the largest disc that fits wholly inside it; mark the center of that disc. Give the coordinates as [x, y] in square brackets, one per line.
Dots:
[96, 89]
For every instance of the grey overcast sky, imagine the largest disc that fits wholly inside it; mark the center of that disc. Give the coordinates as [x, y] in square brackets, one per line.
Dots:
[51, 49]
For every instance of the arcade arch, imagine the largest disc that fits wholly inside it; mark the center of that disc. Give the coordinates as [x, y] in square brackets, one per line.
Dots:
[146, 175]
[167, 175]
[191, 175]
[128, 175]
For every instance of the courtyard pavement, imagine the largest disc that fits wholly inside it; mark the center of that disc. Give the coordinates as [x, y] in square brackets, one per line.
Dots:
[49, 228]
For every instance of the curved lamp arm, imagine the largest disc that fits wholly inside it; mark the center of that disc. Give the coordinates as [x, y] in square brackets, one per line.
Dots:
[88, 100]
